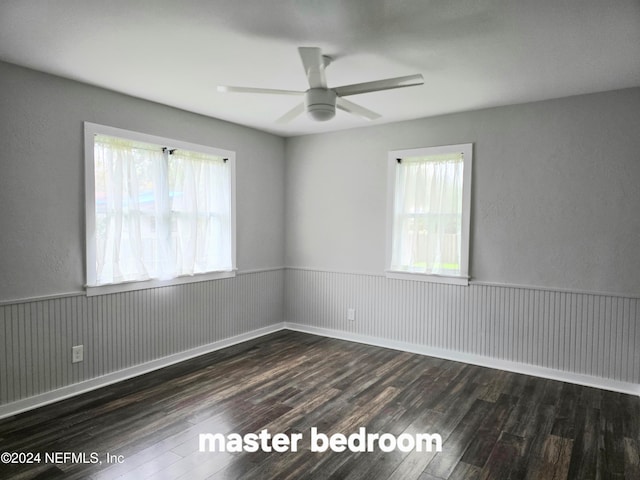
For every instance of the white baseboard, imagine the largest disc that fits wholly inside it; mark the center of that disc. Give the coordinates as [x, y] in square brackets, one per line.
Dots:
[36, 401]
[536, 371]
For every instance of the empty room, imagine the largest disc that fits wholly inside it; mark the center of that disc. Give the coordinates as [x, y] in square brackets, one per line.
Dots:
[303, 239]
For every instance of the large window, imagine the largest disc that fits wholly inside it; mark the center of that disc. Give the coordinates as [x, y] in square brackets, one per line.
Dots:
[158, 211]
[428, 218]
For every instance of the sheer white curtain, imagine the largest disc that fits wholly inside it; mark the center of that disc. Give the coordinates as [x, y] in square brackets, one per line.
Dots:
[428, 215]
[201, 210]
[126, 201]
[159, 213]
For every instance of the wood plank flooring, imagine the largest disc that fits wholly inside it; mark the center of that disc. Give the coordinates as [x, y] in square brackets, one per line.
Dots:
[493, 424]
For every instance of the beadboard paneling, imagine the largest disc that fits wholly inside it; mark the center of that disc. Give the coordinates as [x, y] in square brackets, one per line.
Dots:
[582, 333]
[126, 329]
[588, 334]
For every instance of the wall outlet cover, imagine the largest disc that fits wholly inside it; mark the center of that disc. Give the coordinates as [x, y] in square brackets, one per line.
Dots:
[77, 353]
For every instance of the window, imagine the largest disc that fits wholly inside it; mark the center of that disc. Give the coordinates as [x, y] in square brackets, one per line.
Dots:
[428, 217]
[158, 211]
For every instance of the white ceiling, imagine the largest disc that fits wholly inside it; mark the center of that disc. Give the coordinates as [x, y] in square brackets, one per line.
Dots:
[472, 53]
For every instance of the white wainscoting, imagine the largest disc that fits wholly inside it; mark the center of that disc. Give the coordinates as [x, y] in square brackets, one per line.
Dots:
[591, 339]
[126, 333]
[586, 338]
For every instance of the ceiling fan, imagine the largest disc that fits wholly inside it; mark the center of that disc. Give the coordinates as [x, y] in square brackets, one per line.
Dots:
[320, 101]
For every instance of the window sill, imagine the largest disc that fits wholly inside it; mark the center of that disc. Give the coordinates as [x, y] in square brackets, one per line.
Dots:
[423, 277]
[131, 286]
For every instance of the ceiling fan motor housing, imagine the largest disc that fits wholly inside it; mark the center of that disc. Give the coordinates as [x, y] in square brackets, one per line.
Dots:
[320, 103]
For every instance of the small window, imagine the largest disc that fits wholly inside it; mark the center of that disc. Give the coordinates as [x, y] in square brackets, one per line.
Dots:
[428, 217]
[158, 211]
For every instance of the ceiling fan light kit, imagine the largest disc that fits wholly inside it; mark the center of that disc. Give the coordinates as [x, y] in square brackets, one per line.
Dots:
[320, 102]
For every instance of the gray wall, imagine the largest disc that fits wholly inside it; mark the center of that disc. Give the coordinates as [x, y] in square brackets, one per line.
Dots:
[42, 250]
[555, 195]
[42, 177]
[555, 234]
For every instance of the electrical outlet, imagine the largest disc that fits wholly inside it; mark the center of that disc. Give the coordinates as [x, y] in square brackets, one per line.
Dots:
[351, 314]
[77, 353]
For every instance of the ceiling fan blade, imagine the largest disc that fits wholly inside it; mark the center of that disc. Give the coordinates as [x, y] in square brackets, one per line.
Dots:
[377, 85]
[313, 63]
[355, 109]
[225, 88]
[291, 114]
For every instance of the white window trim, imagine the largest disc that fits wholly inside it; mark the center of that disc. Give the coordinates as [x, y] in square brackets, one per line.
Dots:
[426, 277]
[392, 162]
[93, 129]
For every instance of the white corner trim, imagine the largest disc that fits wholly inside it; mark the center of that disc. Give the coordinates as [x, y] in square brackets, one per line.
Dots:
[259, 270]
[338, 272]
[496, 363]
[54, 296]
[555, 289]
[52, 396]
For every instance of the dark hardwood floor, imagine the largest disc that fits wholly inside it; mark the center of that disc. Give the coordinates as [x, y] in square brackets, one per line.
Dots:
[493, 424]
